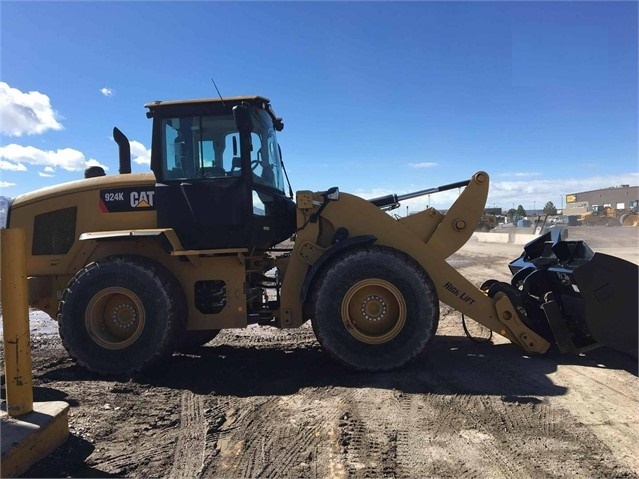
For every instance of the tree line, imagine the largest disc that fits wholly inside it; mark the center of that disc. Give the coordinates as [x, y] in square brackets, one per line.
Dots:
[520, 212]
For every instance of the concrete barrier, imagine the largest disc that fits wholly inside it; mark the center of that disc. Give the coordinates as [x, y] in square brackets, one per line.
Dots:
[504, 237]
[28, 438]
[522, 238]
[491, 237]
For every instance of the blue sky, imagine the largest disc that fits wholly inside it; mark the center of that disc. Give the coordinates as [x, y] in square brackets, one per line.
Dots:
[377, 97]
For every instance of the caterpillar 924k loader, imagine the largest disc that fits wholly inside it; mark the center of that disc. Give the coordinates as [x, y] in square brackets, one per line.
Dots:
[136, 266]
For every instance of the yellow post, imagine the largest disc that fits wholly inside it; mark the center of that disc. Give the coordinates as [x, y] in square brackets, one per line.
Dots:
[15, 313]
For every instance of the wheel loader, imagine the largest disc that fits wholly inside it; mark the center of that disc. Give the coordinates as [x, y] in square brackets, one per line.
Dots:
[601, 216]
[630, 216]
[486, 223]
[135, 266]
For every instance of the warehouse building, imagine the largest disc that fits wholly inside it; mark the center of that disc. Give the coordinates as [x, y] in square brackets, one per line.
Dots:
[618, 198]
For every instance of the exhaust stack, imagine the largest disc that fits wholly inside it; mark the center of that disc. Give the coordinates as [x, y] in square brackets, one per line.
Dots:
[124, 151]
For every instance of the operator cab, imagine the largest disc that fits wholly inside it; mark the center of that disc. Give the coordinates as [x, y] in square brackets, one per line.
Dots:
[219, 174]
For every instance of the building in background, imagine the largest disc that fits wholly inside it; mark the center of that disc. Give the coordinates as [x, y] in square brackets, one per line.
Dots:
[618, 198]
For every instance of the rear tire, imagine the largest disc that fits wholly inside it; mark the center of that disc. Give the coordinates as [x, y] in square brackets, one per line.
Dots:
[120, 315]
[375, 309]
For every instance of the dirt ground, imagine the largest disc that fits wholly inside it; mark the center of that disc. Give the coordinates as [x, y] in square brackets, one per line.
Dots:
[270, 403]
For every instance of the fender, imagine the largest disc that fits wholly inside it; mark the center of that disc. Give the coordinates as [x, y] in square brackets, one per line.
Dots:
[329, 254]
[168, 238]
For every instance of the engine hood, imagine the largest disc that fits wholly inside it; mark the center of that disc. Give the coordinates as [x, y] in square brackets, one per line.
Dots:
[79, 186]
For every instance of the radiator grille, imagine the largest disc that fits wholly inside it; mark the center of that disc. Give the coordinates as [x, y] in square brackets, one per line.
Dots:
[54, 232]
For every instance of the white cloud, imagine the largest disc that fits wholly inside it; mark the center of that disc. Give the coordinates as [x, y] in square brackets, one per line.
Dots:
[6, 184]
[520, 174]
[13, 157]
[140, 154]
[107, 91]
[422, 165]
[538, 192]
[533, 193]
[45, 175]
[370, 194]
[25, 113]
[6, 165]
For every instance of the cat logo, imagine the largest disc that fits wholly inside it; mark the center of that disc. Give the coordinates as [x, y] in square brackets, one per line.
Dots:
[122, 200]
[142, 199]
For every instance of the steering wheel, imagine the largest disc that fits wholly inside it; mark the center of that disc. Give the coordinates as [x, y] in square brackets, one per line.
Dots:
[211, 172]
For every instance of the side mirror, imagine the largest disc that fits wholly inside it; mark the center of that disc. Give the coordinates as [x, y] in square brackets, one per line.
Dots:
[242, 117]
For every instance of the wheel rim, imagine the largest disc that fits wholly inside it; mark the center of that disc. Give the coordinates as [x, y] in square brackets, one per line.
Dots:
[115, 318]
[373, 311]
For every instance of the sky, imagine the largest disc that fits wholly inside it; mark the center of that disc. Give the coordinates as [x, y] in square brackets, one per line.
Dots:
[376, 97]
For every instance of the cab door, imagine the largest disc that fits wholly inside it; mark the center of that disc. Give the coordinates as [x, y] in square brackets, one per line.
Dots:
[200, 192]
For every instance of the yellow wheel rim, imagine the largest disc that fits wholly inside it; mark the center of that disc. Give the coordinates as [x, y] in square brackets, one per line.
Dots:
[115, 318]
[373, 311]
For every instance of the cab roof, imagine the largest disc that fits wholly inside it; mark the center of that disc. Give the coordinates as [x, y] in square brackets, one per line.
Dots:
[201, 106]
[231, 100]
[234, 100]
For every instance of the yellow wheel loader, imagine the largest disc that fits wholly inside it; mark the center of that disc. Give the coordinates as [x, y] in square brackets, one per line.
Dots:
[630, 217]
[135, 266]
[486, 223]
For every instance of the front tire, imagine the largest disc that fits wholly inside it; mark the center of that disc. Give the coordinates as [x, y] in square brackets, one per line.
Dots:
[120, 315]
[375, 309]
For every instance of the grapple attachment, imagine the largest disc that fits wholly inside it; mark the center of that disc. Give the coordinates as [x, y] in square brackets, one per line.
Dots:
[574, 297]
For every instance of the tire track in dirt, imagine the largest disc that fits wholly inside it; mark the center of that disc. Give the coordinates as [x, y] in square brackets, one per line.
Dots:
[615, 420]
[414, 441]
[466, 436]
[124, 418]
[468, 422]
[536, 430]
[286, 436]
[188, 458]
[367, 449]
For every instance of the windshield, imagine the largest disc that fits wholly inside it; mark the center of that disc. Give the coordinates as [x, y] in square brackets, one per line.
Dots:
[207, 147]
[265, 155]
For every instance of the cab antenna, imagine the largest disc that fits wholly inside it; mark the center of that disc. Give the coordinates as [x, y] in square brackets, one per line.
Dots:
[218, 92]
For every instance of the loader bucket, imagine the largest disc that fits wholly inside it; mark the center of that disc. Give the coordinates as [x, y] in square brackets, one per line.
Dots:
[609, 288]
[589, 299]
[631, 220]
